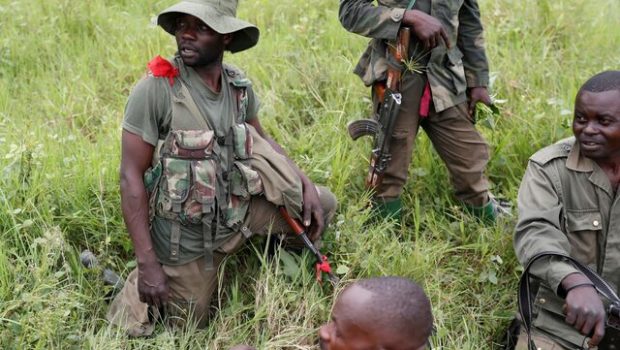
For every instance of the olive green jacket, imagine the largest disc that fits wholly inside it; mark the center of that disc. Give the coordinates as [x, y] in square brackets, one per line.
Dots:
[566, 205]
[449, 71]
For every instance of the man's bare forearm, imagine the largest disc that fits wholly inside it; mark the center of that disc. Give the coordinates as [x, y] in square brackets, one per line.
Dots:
[134, 204]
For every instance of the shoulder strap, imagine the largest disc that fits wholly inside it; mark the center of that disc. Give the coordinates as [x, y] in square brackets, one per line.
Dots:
[242, 103]
[551, 152]
[240, 83]
[411, 3]
[525, 299]
[184, 97]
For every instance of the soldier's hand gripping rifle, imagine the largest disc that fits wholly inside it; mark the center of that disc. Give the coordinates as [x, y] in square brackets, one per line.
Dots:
[388, 98]
[525, 302]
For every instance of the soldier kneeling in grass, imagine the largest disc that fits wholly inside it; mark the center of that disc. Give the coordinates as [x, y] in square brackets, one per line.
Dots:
[199, 176]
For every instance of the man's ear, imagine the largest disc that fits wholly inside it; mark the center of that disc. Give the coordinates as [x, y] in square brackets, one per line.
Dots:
[227, 39]
[325, 337]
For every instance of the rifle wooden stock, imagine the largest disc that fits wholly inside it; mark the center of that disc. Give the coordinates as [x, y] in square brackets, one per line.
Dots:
[397, 51]
[380, 155]
[374, 177]
[322, 265]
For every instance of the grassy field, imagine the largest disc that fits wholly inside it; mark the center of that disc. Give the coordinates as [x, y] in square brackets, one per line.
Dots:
[66, 68]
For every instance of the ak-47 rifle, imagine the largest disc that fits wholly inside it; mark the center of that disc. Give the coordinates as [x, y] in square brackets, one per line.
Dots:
[388, 98]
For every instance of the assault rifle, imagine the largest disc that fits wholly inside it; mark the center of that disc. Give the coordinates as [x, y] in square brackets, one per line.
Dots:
[612, 328]
[388, 99]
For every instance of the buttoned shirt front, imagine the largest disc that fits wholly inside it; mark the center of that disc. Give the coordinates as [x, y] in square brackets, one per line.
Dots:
[566, 205]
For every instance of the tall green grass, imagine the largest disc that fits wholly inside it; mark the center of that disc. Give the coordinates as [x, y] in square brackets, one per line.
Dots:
[66, 68]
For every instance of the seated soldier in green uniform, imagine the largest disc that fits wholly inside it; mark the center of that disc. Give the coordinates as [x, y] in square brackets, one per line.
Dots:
[569, 203]
[198, 173]
[379, 313]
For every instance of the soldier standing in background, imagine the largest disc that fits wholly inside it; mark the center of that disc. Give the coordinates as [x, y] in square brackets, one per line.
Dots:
[446, 74]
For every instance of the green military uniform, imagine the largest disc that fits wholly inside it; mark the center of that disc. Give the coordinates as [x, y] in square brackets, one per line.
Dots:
[214, 180]
[449, 73]
[148, 113]
[566, 205]
[190, 261]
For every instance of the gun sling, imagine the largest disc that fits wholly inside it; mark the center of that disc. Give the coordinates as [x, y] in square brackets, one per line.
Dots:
[525, 298]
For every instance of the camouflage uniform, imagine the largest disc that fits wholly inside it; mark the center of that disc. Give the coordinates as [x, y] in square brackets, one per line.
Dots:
[206, 189]
[449, 73]
[566, 205]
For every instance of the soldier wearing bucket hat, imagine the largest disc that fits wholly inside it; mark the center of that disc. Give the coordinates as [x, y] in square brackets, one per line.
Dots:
[220, 15]
[199, 176]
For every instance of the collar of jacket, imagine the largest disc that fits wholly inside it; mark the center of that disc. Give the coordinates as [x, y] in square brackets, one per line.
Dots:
[577, 162]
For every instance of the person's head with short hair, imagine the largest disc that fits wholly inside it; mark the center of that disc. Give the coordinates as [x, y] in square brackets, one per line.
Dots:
[605, 81]
[596, 122]
[390, 313]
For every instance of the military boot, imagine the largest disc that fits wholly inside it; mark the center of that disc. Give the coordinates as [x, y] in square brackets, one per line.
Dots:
[386, 209]
[490, 212]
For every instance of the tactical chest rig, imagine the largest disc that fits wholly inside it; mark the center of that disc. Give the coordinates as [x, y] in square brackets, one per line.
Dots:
[190, 182]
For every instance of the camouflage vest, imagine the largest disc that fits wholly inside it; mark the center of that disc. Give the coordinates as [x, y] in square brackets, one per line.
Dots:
[188, 183]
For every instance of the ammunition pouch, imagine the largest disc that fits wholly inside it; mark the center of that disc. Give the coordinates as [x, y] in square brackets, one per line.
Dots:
[188, 185]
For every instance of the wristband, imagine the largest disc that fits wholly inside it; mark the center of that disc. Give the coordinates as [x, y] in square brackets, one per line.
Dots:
[579, 285]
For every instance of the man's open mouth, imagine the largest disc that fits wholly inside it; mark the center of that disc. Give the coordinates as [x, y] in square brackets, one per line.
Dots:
[589, 144]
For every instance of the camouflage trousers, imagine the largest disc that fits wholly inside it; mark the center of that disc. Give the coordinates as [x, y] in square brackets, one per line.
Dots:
[455, 138]
[191, 286]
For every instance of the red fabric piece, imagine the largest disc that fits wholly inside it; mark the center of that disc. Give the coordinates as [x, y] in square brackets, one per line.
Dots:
[322, 267]
[162, 68]
[425, 102]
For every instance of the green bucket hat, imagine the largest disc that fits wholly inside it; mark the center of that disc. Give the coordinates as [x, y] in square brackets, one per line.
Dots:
[220, 15]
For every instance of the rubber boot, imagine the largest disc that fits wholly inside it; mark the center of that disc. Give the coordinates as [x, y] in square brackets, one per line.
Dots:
[391, 209]
[486, 213]
[489, 212]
